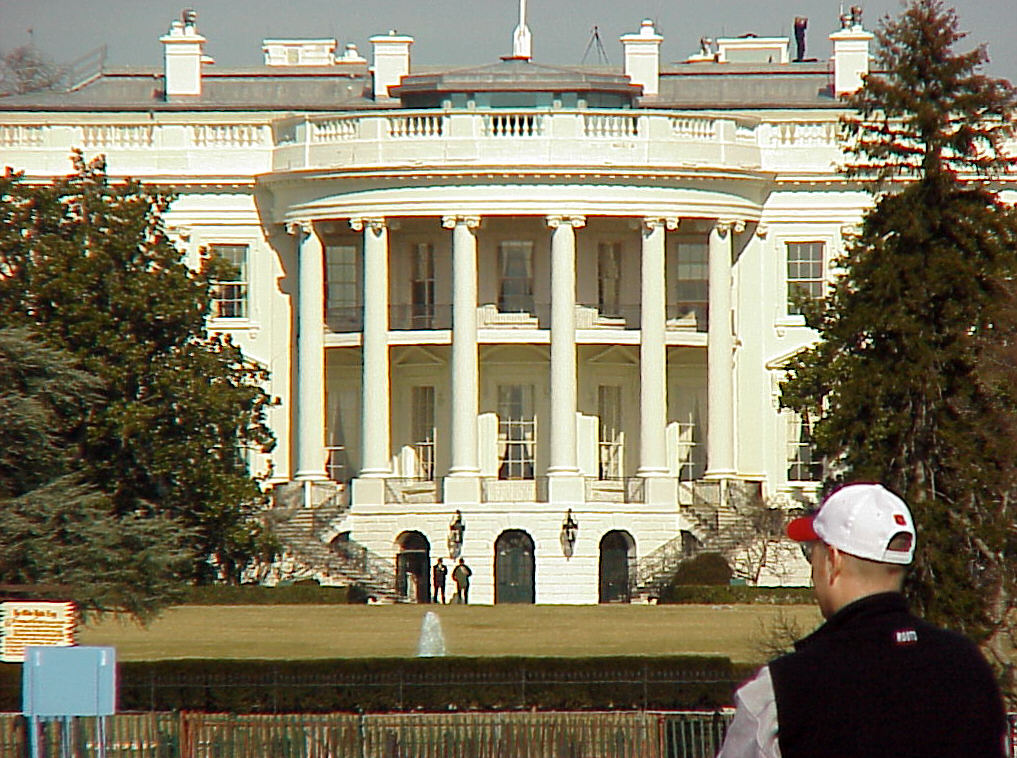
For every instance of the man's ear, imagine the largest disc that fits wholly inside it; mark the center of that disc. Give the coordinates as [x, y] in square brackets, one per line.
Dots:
[835, 562]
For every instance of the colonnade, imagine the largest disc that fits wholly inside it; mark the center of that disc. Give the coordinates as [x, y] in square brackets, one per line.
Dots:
[564, 479]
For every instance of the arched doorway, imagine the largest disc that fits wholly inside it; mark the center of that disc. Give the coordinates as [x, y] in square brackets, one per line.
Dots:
[513, 568]
[413, 562]
[617, 549]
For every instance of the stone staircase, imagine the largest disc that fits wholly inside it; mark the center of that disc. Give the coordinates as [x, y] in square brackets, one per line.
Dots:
[309, 550]
[724, 519]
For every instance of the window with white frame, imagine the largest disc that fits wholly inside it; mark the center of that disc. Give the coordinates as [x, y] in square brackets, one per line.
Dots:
[804, 273]
[229, 295]
[423, 431]
[422, 286]
[342, 290]
[515, 289]
[609, 278]
[338, 464]
[802, 463]
[517, 431]
[611, 438]
[689, 468]
[693, 274]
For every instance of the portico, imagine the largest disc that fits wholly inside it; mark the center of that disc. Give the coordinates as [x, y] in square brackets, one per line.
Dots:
[576, 267]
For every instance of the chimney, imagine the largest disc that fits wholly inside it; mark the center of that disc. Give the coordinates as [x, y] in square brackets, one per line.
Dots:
[183, 53]
[642, 57]
[850, 53]
[391, 62]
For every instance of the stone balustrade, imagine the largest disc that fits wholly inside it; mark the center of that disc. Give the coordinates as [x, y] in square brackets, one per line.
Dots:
[518, 138]
[139, 145]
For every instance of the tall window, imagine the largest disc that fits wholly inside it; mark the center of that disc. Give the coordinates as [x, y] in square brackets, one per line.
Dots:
[338, 466]
[802, 463]
[515, 291]
[423, 431]
[611, 438]
[341, 287]
[422, 286]
[689, 464]
[609, 278]
[693, 281]
[804, 273]
[517, 431]
[229, 295]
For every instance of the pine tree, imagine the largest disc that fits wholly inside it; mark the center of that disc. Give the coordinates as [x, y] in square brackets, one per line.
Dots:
[899, 384]
[88, 264]
[56, 529]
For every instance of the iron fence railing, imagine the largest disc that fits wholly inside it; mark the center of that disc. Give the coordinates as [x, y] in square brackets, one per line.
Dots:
[515, 313]
[633, 734]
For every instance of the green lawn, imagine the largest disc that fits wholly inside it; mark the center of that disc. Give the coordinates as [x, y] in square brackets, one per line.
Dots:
[329, 631]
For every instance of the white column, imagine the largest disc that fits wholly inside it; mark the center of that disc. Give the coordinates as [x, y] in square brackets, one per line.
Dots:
[465, 382]
[653, 351]
[375, 408]
[720, 349]
[309, 402]
[562, 437]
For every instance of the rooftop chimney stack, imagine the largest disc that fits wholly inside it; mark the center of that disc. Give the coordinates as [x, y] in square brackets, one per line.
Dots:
[391, 62]
[850, 53]
[183, 51]
[642, 57]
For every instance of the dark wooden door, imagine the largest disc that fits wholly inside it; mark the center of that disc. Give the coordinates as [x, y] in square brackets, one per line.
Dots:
[614, 568]
[513, 568]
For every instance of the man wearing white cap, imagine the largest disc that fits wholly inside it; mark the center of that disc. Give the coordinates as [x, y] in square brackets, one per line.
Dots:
[873, 680]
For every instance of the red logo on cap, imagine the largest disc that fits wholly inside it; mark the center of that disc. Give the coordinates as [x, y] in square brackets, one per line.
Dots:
[899, 519]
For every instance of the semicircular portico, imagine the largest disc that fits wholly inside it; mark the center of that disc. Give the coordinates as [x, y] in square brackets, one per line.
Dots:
[524, 199]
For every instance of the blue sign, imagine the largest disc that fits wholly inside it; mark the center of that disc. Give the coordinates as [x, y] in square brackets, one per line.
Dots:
[69, 681]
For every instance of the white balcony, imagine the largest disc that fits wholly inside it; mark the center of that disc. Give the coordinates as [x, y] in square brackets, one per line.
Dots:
[544, 137]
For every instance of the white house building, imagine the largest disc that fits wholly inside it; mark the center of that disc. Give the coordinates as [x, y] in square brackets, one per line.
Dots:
[533, 317]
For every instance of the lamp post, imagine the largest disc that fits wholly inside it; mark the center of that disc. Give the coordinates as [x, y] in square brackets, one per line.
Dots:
[569, 534]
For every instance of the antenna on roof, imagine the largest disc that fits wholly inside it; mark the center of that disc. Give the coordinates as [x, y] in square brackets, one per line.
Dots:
[521, 44]
[595, 42]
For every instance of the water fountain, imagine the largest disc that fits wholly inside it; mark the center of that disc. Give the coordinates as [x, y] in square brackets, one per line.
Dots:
[432, 640]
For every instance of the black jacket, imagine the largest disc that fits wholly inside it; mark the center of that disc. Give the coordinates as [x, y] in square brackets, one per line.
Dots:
[876, 681]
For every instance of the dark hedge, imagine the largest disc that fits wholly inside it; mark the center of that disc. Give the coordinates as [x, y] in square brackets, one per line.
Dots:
[736, 595]
[301, 593]
[411, 684]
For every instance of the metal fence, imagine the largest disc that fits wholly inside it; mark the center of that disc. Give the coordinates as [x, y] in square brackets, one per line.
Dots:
[633, 734]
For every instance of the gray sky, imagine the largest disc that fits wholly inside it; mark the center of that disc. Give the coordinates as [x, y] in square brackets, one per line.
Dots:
[458, 32]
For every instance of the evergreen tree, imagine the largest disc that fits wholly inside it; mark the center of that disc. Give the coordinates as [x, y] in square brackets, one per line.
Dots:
[55, 528]
[89, 265]
[899, 384]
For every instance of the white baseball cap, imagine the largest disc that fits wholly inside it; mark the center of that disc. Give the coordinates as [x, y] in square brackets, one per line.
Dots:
[860, 519]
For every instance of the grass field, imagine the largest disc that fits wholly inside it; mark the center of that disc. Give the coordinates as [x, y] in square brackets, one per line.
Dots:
[336, 631]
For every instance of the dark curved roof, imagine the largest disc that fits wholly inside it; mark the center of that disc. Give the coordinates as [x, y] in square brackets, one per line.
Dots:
[263, 88]
[517, 75]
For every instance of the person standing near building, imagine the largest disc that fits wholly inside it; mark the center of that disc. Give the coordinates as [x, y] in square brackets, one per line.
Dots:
[438, 574]
[461, 576]
[873, 680]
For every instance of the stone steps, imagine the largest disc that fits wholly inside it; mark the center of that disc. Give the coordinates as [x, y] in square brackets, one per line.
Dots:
[300, 531]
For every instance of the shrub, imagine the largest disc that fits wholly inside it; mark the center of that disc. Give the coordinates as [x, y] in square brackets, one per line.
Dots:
[417, 684]
[298, 593]
[736, 595]
[703, 569]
